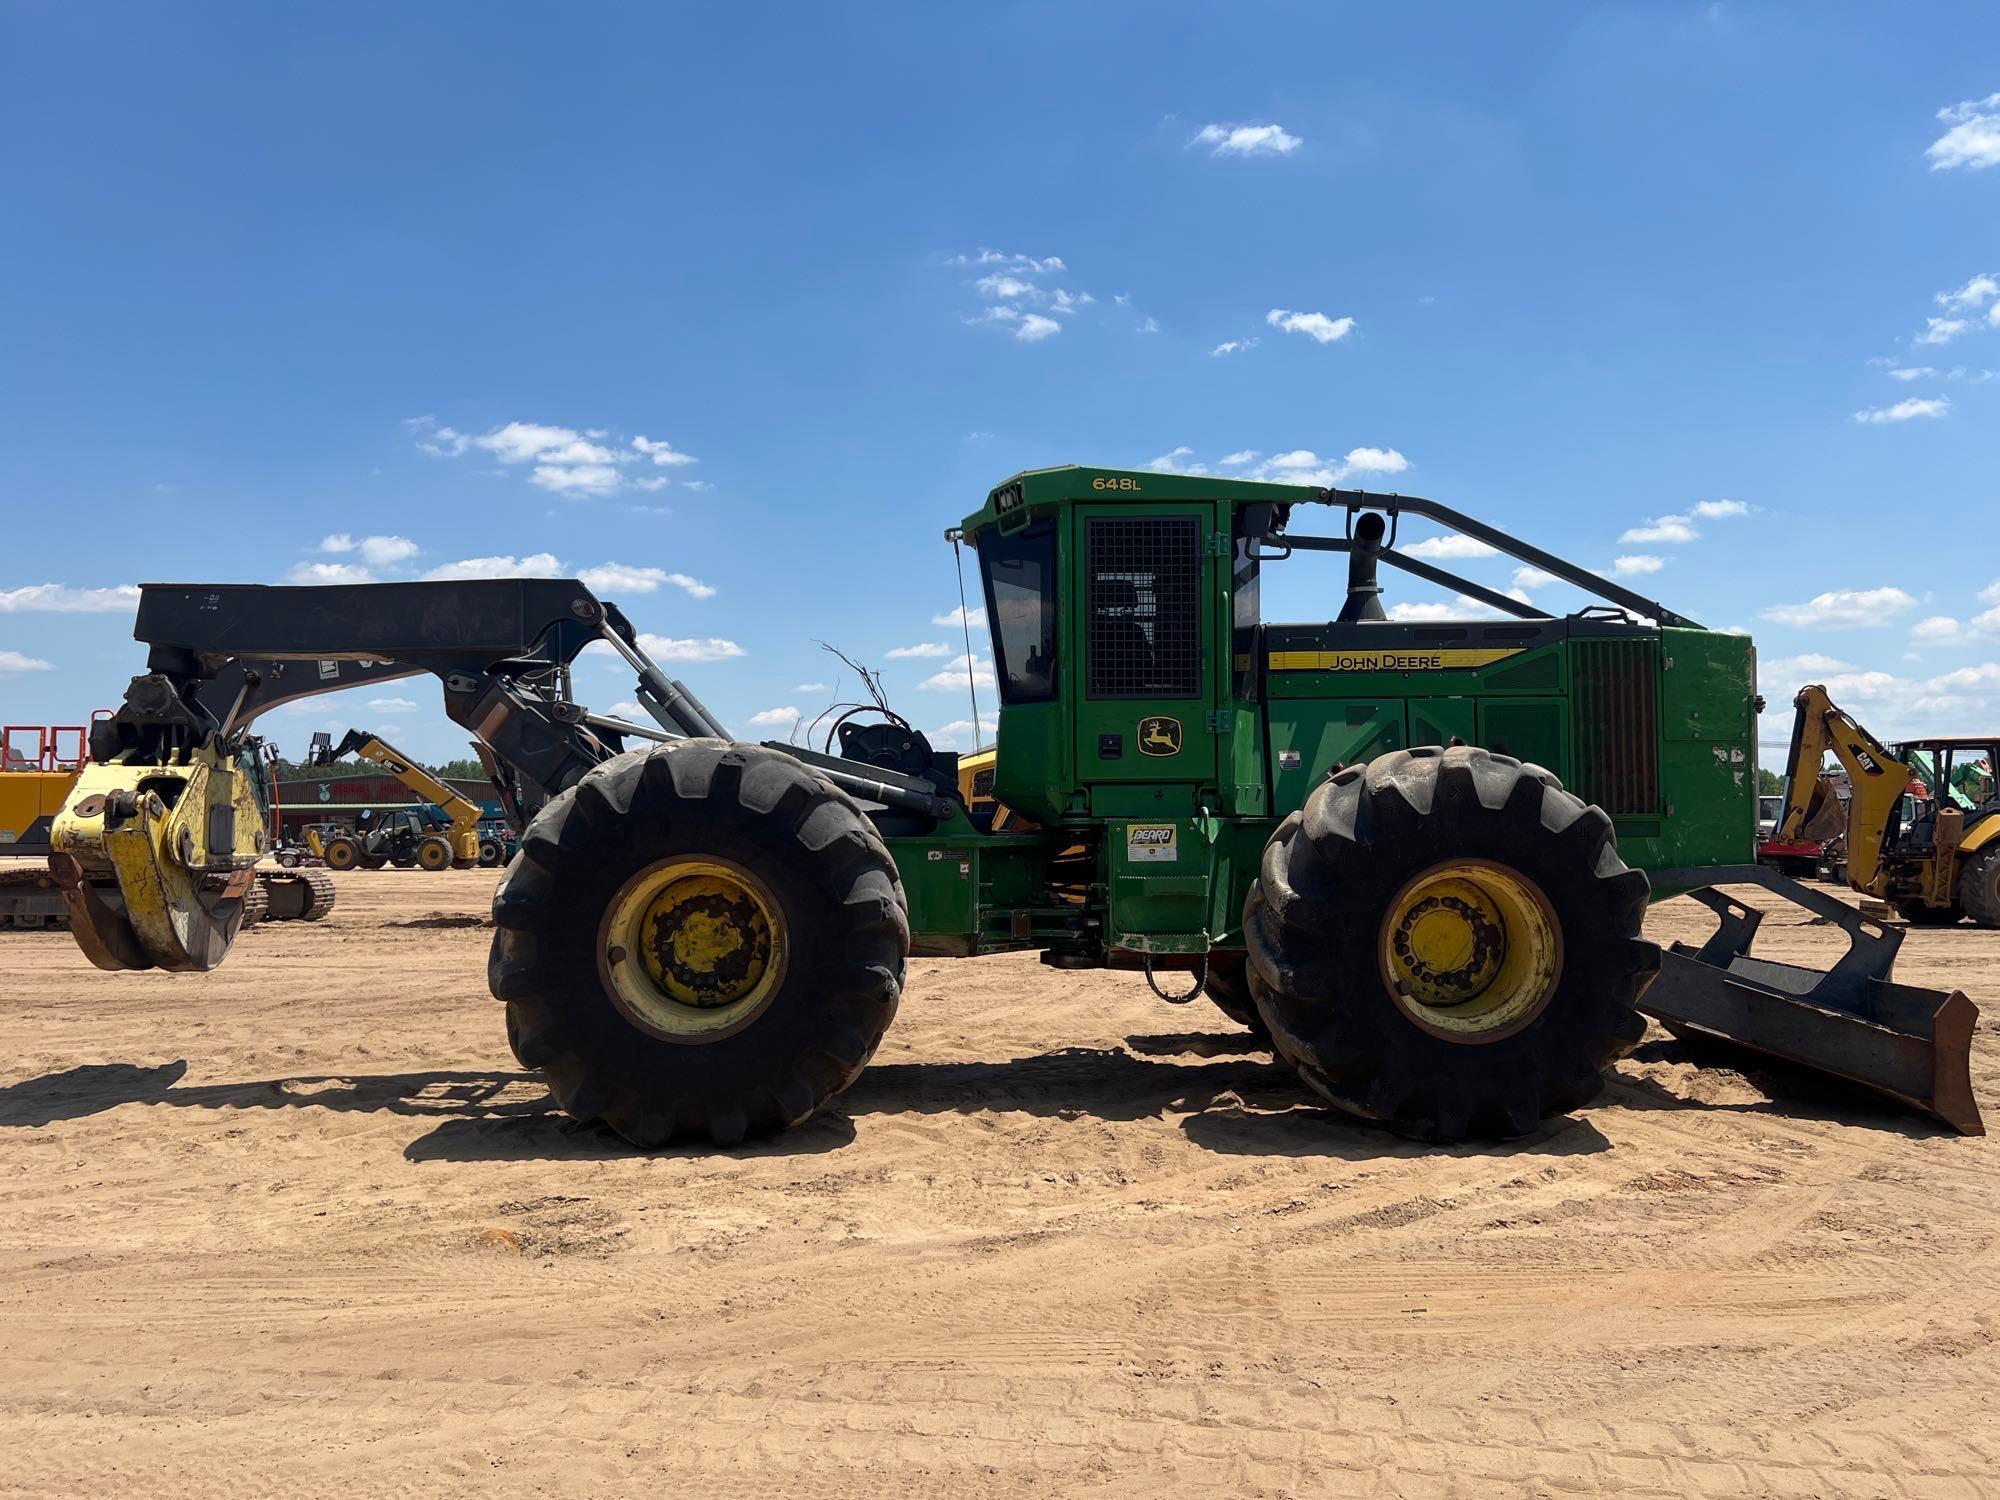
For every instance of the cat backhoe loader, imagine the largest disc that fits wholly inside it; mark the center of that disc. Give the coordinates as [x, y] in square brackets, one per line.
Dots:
[1936, 867]
[1415, 857]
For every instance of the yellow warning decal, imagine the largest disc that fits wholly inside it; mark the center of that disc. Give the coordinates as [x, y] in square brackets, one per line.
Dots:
[1417, 659]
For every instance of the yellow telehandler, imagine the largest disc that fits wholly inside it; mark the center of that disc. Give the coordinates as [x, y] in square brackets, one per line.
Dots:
[406, 836]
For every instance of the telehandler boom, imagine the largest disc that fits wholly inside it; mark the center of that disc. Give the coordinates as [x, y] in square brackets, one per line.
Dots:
[1415, 856]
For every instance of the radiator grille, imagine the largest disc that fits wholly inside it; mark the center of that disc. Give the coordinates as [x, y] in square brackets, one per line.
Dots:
[1617, 724]
[1145, 608]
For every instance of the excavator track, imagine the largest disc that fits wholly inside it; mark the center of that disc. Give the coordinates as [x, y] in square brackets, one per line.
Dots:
[30, 900]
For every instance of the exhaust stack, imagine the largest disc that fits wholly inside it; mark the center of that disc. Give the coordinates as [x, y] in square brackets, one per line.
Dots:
[1364, 591]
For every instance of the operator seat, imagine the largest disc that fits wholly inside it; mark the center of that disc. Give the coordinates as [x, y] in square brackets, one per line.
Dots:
[1119, 645]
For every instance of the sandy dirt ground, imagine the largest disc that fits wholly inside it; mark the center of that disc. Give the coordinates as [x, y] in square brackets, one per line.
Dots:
[304, 1227]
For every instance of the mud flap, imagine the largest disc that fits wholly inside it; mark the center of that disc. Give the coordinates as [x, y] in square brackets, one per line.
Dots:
[1852, 1021]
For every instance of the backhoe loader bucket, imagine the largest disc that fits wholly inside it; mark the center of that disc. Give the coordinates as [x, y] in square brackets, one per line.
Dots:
[1852, 1021]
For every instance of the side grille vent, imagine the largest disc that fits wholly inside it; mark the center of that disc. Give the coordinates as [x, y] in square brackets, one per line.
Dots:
[1617, 729]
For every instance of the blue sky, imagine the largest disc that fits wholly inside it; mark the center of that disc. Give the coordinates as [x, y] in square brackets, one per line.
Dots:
[477, 282]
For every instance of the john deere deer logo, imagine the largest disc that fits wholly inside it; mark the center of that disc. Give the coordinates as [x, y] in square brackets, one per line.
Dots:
[1159, 735]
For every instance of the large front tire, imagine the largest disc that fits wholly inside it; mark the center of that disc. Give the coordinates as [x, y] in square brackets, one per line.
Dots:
[1447, 942]
[701, 941]
[1228, 990]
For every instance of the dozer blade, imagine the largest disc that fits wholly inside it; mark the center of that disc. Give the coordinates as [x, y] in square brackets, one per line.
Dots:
[1852, 1021]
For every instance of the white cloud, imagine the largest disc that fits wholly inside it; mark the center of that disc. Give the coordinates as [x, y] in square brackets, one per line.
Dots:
[1720, 510]
[959, 616]
[578, 479]
[1148, 325]
[670, 648]
[784, 715]
[1841, 609]
[1450, 546]
[625, 578]
[563, 460]
[1303, 466]
[1636, 564]
[810, 687]
[535, 565]
[1431, 611]
[975, 670]
[921, 649]
[1975, 294]
[1373, 461]
[1904, 411]
[1179, 461]
[56, 598]
[319, 572]
[1973, 139]
[377, 551]
[1659, 529]
[1984, 677]
[1232, 346]
[626, 709]
[12, 663]
[1013, 284]
[663, 453]
[1936, 630]
[1238, 459]
[1318, 326]
[1246, 140]
[957, 735]
[1532, 578]
[1034, 266]
[392, 705]
[1941, 330]
[1911, 372]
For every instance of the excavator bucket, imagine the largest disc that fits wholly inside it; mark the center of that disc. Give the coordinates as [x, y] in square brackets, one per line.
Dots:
[1852, 1021]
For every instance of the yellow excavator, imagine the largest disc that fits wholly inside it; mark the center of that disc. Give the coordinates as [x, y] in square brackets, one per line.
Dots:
[407, 837]
[1936, 867]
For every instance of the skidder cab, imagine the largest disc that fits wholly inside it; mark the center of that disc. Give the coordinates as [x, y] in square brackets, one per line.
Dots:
[1413, 855]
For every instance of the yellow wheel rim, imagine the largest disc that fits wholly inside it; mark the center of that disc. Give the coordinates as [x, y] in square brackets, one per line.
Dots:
[693, 949]
[1471, 950]
[340, 857]
[433, 856]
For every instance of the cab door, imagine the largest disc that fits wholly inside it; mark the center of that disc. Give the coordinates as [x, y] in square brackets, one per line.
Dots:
[1144, 684]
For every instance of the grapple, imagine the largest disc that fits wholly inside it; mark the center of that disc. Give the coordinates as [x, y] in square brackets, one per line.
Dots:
[155, 861]
[1852, 1021]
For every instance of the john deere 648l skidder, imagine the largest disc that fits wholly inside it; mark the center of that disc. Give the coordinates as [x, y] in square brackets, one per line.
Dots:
[1415, 855]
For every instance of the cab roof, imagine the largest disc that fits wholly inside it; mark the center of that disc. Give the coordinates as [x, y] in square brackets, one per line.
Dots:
[1047, 490]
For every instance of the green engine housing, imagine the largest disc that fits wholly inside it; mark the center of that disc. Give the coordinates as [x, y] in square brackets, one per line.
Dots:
[1155, 728]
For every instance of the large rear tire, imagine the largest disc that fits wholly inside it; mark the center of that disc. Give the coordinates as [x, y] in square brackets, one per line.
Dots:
[433, 853]
[701, 941]
[1916, 914]
[342, 852]
[1447, 942]
[1979, 888]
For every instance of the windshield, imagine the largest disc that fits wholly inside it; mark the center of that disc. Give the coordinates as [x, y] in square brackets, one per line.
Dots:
[1020, 573]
